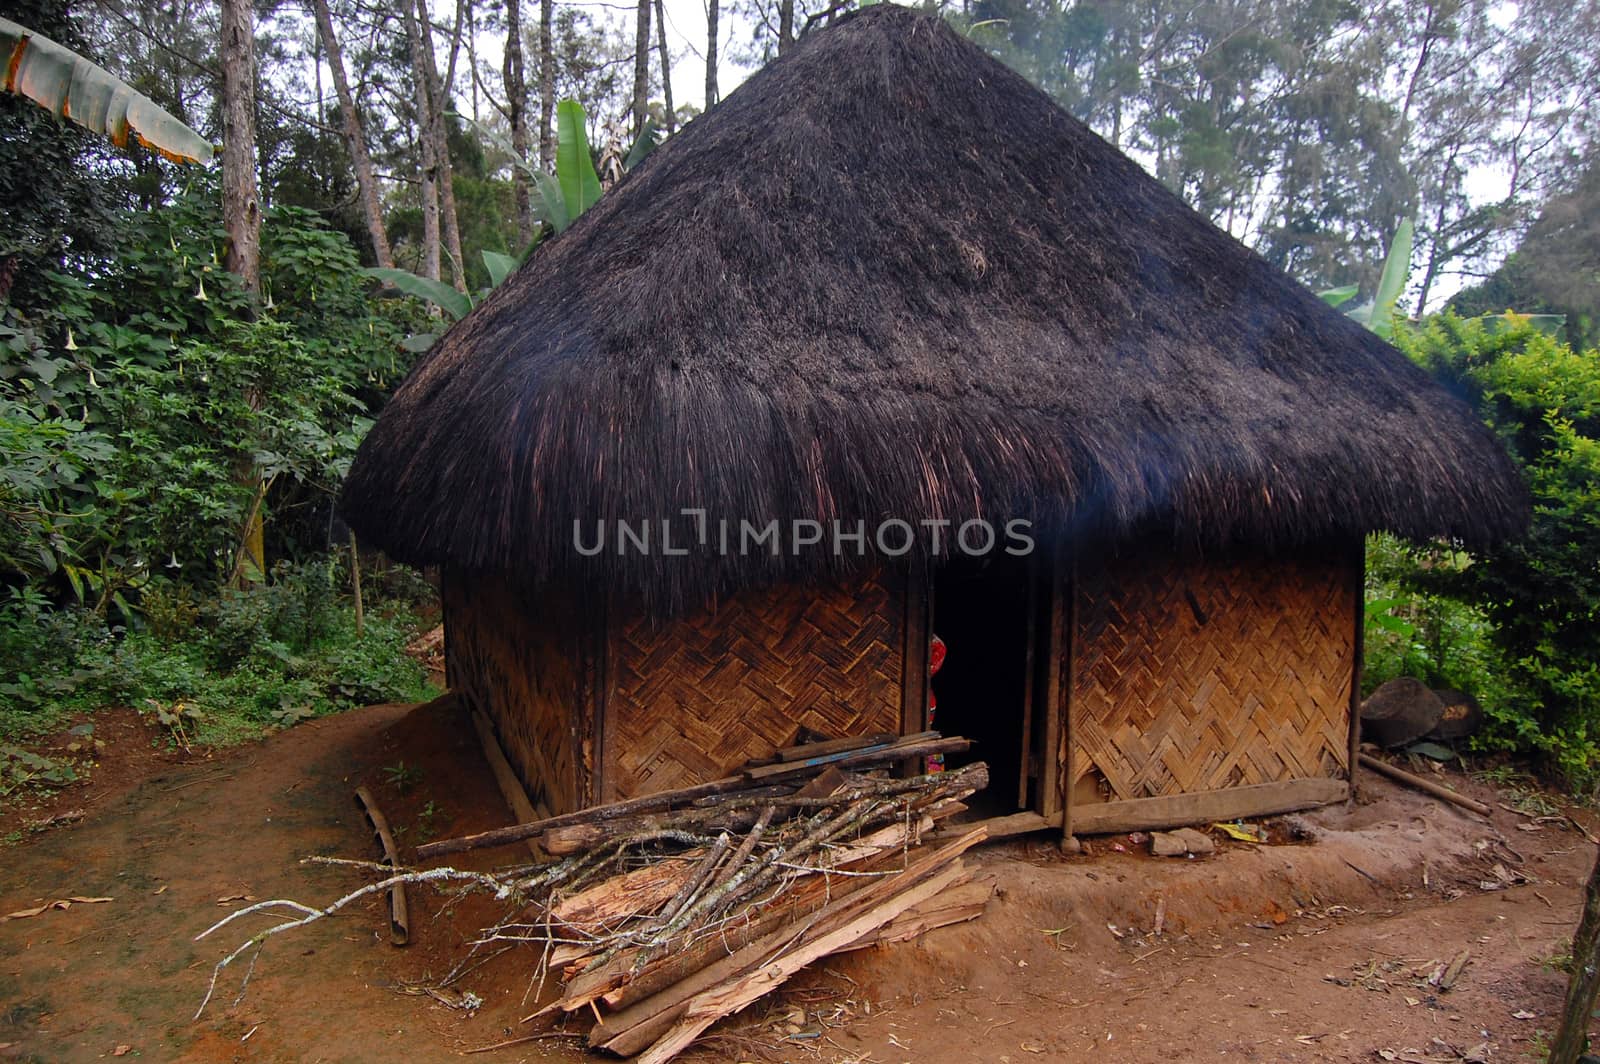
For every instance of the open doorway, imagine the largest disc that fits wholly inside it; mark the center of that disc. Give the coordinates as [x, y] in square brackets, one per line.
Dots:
[981, 611]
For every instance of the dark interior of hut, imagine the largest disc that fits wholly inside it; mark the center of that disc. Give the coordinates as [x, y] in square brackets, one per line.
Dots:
[980, 612]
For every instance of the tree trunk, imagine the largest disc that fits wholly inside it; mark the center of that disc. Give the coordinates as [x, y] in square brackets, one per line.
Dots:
[1573, 1036]
[641, 67]
[547, 84]
[711, 53]
[241, 220]
[517, 112]
[428, 167]
[666, 66]
[438, 98]
[241, 204]
[355, 140]
[785, 26]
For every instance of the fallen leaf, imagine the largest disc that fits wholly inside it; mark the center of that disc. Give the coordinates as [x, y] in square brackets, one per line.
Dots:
[162, 889]
[59, 903]
[122, 1050]
[1031, 1047]
[1523, 1014]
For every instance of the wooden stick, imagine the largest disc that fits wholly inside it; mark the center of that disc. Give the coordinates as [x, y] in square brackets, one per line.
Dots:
[834, 746]
[872, 755]
[595, 814]
[633, 1028]
[737, 812]
[1411, 779]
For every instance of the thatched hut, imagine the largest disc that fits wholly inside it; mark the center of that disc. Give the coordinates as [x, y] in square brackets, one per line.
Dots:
[889, 285]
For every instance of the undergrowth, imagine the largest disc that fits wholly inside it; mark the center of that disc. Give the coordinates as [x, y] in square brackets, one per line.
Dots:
[211, 672]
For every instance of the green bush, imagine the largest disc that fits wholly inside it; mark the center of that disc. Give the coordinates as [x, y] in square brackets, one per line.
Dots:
[257, 659]
[1539, 597]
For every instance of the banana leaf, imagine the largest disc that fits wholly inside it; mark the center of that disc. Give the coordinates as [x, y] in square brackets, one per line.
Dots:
[456, 304]
[69, 86]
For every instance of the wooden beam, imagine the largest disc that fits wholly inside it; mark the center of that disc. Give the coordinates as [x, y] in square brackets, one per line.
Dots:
[1261, 799]
[522, 809]
[914, 653]
[1055, 708]
[1359, 644]
[1000, 827]
[1030, 639]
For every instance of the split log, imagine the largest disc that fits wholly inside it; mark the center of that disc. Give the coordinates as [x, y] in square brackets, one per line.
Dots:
[643, 890]
[962, 902]
[709, 1007]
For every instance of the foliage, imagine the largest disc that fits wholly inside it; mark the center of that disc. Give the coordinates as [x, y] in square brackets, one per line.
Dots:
[558, 201]
[133, 392]
[129, 403]
[1377, 313]
[1522, 623]
[256, 659]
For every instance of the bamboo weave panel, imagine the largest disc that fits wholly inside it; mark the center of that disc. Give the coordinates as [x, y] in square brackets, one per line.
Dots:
[694, 697]
[1162, 704]
[526, 677]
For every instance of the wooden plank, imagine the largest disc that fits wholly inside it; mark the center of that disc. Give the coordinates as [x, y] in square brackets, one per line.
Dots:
[1000, 827]
[1360, 621]
[1261, 799]
[1056, 803]
[910, 746]
[510, 786]
[833, 746]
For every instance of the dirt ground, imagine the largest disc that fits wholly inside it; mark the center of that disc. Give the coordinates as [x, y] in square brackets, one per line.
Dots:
[1315, 951]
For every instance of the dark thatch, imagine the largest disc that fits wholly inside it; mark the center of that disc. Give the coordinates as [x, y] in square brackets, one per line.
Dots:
[889, 278]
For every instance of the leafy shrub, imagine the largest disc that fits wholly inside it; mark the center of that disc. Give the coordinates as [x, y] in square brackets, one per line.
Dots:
[259, 659]
[1540, 596]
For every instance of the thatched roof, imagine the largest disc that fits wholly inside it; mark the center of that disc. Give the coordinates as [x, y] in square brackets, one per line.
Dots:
[887, 277]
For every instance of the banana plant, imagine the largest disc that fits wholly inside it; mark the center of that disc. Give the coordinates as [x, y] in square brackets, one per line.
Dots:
[558, 200]
[1377, 314]
[71, 87]
[452, 305]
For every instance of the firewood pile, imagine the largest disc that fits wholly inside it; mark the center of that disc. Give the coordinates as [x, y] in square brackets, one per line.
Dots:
[660, 916]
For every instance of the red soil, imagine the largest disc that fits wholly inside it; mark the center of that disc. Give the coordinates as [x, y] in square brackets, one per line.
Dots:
[1294, 952]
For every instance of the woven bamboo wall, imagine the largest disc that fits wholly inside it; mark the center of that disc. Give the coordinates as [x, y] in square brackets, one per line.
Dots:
[1196, 675]
[511, 657]
[691, 698]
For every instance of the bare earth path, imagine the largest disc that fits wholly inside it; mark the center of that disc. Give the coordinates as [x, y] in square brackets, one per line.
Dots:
[1316, 952]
